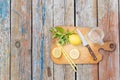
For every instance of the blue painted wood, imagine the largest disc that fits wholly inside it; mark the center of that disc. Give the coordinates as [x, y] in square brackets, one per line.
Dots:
[41, 57]
[37, 51]
[42, 21]
[42, 40]
[4, 8]
[4, 39]
[21, 40]
[44, 12]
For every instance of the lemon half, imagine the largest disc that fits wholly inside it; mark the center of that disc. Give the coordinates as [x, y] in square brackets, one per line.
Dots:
[74, 54]
[75, 39]
[56, 52]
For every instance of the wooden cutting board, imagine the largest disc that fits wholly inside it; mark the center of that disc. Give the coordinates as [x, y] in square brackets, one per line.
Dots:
[85, 57]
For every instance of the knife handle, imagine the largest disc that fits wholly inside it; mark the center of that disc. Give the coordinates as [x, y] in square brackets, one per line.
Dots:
[91, 52]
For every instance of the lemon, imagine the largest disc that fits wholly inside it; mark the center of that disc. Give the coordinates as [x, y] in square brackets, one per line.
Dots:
[75, 39]
[74, 54]
[56, 52]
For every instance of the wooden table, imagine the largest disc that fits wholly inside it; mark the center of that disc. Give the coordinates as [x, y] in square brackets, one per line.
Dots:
[25, 38]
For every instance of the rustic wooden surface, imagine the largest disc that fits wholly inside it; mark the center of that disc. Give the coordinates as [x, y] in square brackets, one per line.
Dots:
[63, 15]
[25, 38]
[4, 39]
[69, 20]
[108, 20]
[20, 40]
[86, 15]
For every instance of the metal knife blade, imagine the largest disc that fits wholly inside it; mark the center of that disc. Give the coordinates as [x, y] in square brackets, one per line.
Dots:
[85, 43]
[82, 38]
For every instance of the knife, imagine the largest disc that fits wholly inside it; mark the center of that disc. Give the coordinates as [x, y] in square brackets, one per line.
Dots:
[86, 44]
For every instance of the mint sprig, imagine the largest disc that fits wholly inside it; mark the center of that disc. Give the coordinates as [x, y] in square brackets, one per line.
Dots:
[61, 35]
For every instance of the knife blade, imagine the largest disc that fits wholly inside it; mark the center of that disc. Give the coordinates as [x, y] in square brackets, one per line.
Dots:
[85, 43]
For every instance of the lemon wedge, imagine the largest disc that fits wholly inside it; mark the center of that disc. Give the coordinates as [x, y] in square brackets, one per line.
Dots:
[75, 39]
[74, 54]
[56, 52]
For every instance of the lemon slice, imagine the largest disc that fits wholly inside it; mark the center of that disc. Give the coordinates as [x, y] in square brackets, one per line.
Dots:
[56, 52]
[74, 54]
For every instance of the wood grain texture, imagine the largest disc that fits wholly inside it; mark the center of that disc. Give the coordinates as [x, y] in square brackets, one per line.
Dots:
[20, 40]
[86, 15]
[4, 39]
[59, 13]
[119, 31]
[42, 21]
[108, 21]
[48, 64]
[69, 20]
[15, 49]
[38, 41]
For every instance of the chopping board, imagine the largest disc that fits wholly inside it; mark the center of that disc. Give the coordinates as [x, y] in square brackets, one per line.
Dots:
[85, 57]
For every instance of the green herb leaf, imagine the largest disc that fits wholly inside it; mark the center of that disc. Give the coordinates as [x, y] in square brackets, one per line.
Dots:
[61, 35]
[59, 29]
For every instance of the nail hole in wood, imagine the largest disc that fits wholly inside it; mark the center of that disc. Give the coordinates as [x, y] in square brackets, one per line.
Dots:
[17, 44]
[112, 45]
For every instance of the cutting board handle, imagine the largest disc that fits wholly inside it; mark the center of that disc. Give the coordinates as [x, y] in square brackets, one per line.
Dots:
[108, 46]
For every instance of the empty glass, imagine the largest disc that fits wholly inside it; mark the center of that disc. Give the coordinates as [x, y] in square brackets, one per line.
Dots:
[96, 35]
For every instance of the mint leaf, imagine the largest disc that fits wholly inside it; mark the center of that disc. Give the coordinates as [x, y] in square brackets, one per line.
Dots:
[61, 35]
[59, 29]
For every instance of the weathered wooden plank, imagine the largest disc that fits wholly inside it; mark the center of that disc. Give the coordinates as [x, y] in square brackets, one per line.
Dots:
[108, 21]
[4, 39]
[38, 41]
[119, 32]
[86, 15]
[20, 39]
[69, 20]
[59, 11]
[48, 18]
[63, 15]
[42, 21]
[69, 12]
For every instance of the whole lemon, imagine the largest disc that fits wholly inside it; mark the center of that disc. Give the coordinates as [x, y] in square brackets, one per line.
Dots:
[75, 39]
